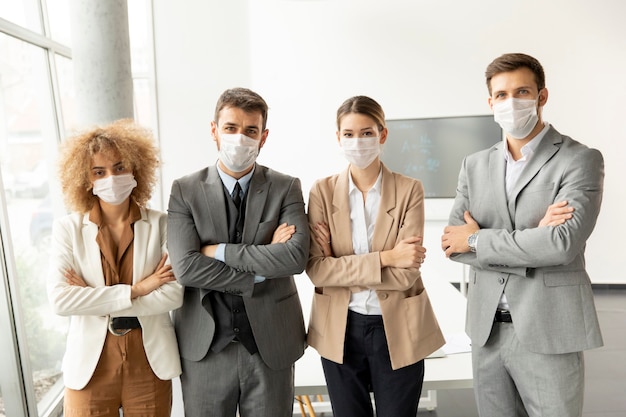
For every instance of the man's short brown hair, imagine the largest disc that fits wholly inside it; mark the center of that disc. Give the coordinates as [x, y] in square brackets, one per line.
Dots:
[244, 99]
[512, 62]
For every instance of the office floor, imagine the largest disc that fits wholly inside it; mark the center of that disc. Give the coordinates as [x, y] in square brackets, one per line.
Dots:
[605, 386]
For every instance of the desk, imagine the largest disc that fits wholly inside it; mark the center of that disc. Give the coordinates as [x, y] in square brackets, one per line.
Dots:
[449, 372]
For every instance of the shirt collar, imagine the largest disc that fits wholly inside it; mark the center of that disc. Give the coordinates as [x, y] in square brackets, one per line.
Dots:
[229, 182]
[376, 187]
[530, 147]
[95, 214]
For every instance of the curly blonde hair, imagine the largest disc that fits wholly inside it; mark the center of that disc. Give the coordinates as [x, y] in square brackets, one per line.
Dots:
[134, 145]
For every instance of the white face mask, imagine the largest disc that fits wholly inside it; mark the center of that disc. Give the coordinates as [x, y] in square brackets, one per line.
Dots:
[516, 116]
[360, 152]
[114, 189]
[237, 151]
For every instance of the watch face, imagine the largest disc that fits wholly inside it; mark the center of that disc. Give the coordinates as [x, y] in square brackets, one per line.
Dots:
[471, 242]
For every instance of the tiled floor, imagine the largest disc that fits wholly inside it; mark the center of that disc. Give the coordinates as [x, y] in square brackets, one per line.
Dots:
[605, 387]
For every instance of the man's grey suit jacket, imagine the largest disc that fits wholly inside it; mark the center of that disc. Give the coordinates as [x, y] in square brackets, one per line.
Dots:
[197, 217]
[541, 270]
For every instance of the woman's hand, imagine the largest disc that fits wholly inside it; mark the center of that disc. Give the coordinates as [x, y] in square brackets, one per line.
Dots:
[162, 275]
[322, 237]
[408, 253]
[72, 278]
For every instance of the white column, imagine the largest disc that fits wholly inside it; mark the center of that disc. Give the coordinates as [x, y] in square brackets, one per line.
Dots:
[101, 56]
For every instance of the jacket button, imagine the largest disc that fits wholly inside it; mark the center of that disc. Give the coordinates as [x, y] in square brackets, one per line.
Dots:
[383, 296]
[501, 280]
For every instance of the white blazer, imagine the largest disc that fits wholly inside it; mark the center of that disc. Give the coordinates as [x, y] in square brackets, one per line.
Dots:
[74, 246]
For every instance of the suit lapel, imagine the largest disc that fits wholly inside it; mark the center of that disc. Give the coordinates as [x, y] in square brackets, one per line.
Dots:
[140, 243]
[92, 252]
[214, 196]
[342, 235]
[544, 152]
[385, 218]
[497, 181]
[255, 201]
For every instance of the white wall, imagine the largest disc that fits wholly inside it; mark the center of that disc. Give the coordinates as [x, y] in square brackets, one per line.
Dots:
[418, 58]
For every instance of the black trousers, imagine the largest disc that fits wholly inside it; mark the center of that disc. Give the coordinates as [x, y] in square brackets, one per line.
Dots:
[367, 368]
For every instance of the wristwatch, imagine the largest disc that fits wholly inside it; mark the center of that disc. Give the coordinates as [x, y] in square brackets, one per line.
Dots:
[472, 240]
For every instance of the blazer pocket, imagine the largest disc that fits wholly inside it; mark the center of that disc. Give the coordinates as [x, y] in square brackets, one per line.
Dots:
[286, 297]
[319, 312]
[420, 316]
[563, 278]
[265, 231]
[533, 188]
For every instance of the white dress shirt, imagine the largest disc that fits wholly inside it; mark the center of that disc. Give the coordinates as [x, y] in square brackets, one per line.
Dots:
[513, 171]
[362, 223]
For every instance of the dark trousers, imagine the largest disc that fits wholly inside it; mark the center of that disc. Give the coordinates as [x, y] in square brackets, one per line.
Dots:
[367, 368]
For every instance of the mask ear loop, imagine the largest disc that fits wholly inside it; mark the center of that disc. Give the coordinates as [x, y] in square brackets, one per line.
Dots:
[539, 106]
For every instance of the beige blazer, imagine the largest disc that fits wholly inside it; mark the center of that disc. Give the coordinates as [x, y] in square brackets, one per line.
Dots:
[74, 246]
[410, 325]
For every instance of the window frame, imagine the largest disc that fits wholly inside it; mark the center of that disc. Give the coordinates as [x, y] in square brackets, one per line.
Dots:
[16, 379]
[18, 392]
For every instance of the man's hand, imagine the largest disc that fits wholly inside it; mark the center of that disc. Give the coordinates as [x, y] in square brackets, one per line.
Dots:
[557, 213]
[208, 250]
[454, 239]
[283, 233]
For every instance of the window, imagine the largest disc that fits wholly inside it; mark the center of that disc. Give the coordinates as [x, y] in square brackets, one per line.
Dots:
[24, 13]
[37, 111]
[29, 142]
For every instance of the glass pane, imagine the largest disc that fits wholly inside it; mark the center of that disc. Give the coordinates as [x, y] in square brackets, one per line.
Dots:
[141, 60]
[140, 37]
[22, 12]
[65, 76]
[142, 97]
[59, 20]
[28, 146]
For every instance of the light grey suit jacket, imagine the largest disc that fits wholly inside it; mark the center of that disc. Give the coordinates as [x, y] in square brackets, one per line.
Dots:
[197, 217]
[541, 270]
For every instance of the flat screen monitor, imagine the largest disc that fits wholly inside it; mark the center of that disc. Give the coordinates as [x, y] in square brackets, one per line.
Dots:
[432, 150]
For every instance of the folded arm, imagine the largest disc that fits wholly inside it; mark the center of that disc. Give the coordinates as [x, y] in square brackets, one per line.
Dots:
[282, 259]
[191, 267]
[71, 293]
[555, 240]
[396, 268]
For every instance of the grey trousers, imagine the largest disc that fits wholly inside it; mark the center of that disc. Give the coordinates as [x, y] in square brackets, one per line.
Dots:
[233, 380]
[511, 381]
